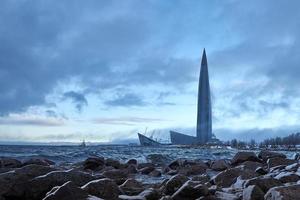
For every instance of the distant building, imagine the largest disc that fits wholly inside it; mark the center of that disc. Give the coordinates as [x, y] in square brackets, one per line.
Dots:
[204, 115]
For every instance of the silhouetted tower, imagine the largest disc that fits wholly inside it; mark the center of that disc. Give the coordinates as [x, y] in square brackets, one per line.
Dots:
[204, 121]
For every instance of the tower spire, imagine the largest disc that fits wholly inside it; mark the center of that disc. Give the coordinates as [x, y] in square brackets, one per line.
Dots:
[204, 121]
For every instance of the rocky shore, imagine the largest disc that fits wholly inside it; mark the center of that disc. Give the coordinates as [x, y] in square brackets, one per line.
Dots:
[247, 176]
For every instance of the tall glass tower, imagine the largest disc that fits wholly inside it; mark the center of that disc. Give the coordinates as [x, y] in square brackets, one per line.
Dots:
[204, 121]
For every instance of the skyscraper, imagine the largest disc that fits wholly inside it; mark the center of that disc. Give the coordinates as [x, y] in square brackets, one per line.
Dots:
[204, 114]
[204, 124]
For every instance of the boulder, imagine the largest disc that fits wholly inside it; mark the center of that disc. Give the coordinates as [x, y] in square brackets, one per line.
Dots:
[201, 178]
[174, 183]
[113, 163]
[10, 163]
[252, 192]
[158, 159]
[143, 165]
[132, 162]
[276, 161]
[13, 184]
[276, 169]
[219, 165]
[174, 165]
[38, 161]
[104, 188]
[40, 185]
[67, 191]
[191, 163]
[131, 169]
[194, 169]
[115, 174]
[283, 192]
[292, 168]
[155, 173]
[265, 155]
[150, 194]
[189, 191]
[296, 156]
[243, 156]
[147, 170]
[261, 171]
[131, 187]
[228, 177]
[251, 165]
[166, 198]
[286, 177]
[93, 163]
[264, 183]
[224, 196]
[172, 172]
[126, 197]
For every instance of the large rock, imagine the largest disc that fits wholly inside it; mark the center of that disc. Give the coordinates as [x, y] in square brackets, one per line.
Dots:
[150, 194]
[114, 163]
[143, 165]
[40, 185]
[147, 170]
[67, 191]
[174, 165]
[195, 169]
[174, 183]
[93, 163]
[104, 188]
[131, 169]
[296, 156]
[229, 176]
[10, 163]
[261, 171]
[276, 161]
[189, 191]
[158, 159]
[223, 196]
[243, 156]
[265, 155]
[13, 184]
[264, 183]
[251, 165]
[286, 177]
[203, 178]
[38, 161]
[116, 174]
[155, 173]
[252, 192]
[197, 162]
[127, 197]
[290, 192]
[293, 167]
[131, 187]
[132, 162]
[219, 165]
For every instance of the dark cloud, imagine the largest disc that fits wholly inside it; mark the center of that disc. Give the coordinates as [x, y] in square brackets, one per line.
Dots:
[77, 98]
[114, 44]
[126, 100]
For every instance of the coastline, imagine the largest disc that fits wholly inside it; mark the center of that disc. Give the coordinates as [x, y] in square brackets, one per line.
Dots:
[247, 175]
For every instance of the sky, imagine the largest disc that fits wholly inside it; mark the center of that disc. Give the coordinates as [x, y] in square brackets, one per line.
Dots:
[104, 70]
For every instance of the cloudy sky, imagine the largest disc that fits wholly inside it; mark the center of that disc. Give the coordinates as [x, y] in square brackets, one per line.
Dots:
[104, 70]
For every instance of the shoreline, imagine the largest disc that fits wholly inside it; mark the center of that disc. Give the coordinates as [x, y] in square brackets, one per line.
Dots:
[246, 176]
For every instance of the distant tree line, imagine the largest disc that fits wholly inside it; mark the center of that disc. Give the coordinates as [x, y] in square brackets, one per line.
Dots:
[290, 140]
